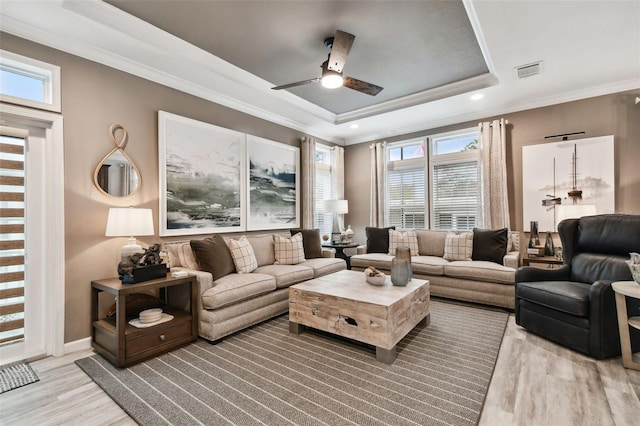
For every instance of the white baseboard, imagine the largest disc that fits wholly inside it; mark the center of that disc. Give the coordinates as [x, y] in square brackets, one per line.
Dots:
[77, 345]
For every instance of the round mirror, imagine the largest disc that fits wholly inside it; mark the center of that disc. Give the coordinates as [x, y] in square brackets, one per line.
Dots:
[116, 174]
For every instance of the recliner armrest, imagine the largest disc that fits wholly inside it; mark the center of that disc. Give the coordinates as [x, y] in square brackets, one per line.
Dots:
[530, 273]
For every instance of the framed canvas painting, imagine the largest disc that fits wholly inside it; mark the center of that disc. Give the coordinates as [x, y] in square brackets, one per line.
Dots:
[551, 170]
[273, 194]
[202, 177]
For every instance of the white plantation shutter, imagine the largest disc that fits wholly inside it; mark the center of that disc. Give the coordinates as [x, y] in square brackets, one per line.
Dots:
[406, 197]
[455, 195]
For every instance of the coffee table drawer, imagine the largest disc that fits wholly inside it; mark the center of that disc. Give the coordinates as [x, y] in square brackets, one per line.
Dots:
[158, 336]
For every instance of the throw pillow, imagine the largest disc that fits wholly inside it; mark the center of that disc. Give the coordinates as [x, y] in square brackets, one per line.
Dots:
[458, 246]
[213, 256]
[310, 241]
[431, 243]
[378, 239]
[490, 245]
[243, 256]
[289, 251]
[403, 239]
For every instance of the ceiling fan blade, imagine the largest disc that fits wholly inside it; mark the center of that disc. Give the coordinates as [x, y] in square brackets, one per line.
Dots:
[298, 83]
[339, 50]
[362, 86]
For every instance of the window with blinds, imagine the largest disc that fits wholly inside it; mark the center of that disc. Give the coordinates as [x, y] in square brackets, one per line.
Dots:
[455, 195]
[455, 187]
[12, 238]
[323, 191]
[406, 189]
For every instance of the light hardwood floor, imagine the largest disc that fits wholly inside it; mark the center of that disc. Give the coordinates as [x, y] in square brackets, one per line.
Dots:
[535, 383]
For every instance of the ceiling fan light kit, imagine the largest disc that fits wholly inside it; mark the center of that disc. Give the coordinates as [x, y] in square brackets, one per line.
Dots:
[332, 77]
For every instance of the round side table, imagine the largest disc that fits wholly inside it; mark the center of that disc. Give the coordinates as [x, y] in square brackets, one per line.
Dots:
[626, 289]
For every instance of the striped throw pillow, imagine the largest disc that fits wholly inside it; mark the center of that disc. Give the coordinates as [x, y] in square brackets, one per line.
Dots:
[403, 239]
[458, 246]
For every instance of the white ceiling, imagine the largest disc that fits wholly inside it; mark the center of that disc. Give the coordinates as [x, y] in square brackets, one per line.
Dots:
[588, 48]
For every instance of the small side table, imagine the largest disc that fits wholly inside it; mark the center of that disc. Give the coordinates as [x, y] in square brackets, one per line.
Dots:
[550, 261]
[340, 251]
[626, 289]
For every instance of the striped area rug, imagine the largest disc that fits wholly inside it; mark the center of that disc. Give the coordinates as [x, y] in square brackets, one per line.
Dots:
[16, 375]
[265, 375]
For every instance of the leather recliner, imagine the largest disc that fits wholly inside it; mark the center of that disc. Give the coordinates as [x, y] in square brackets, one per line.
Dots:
[575, 305]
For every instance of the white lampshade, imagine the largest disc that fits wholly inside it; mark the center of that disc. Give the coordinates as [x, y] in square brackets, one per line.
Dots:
[335, 206]
[129, 222]
[574, 211]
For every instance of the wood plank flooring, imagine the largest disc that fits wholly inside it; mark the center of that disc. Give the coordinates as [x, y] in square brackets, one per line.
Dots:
[535, 383]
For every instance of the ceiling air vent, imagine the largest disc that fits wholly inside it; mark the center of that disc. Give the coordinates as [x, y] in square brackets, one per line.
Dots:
[528, 70]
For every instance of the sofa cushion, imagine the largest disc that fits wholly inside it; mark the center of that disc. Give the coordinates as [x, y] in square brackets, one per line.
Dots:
[403, 239]
[378, 239]
[458, 246]
[243, 255]
[431, 243]
[310, 241]
[234, 288]
[325, 265]
[489, 245]
[480, 270]
[428, 265]
[263, 249]
[288, 251]
[287, 275]
[213, 256]
[181, 254]
[377, 260]
[565, 296]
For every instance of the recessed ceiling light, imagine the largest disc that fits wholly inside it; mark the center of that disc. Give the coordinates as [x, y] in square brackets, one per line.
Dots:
[355, 126]
[477, 97]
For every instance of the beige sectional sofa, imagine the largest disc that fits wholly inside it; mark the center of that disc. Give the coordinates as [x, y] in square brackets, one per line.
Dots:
[238, 300]
[477, 281]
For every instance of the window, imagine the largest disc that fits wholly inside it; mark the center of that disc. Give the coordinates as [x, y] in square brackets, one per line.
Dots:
[454, 173]
[406, 185]
[323, 189]
[445, 181]
[29, 82]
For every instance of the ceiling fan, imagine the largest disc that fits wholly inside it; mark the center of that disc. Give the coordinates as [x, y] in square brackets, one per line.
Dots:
[332, 77]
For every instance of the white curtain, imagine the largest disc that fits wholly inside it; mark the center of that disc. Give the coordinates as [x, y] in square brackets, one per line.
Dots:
[493, 172]
[376, 197]
[308, 174]
[337, 178]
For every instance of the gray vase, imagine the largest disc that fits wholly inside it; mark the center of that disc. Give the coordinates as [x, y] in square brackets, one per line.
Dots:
[401, 269]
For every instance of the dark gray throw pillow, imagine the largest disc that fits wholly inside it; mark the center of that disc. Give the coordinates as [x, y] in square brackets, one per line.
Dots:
[378, 239]
[489, 245]
[213, 256]
[310, 242]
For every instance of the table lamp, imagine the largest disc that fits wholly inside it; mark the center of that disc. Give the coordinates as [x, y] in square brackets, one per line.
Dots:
[129, 222]
[336, 207]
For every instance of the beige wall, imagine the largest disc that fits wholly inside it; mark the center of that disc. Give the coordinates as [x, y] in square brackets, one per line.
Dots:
[614, 114]
[93, 98]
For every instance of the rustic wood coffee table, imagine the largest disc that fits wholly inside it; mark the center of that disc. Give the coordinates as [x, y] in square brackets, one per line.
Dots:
[343, 303]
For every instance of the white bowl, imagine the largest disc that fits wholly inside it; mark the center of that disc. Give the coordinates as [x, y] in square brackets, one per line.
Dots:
[376, 280]
[150, 315]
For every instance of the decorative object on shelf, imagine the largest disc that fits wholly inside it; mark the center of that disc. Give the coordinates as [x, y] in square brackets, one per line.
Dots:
[634, 266]
[144, 266]
[325, 237]
[337, 207]
[129, 222]
[401, 270]
[348, 235]
[116, 174]
[534, 239]
[548, 245]
[374, 276]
